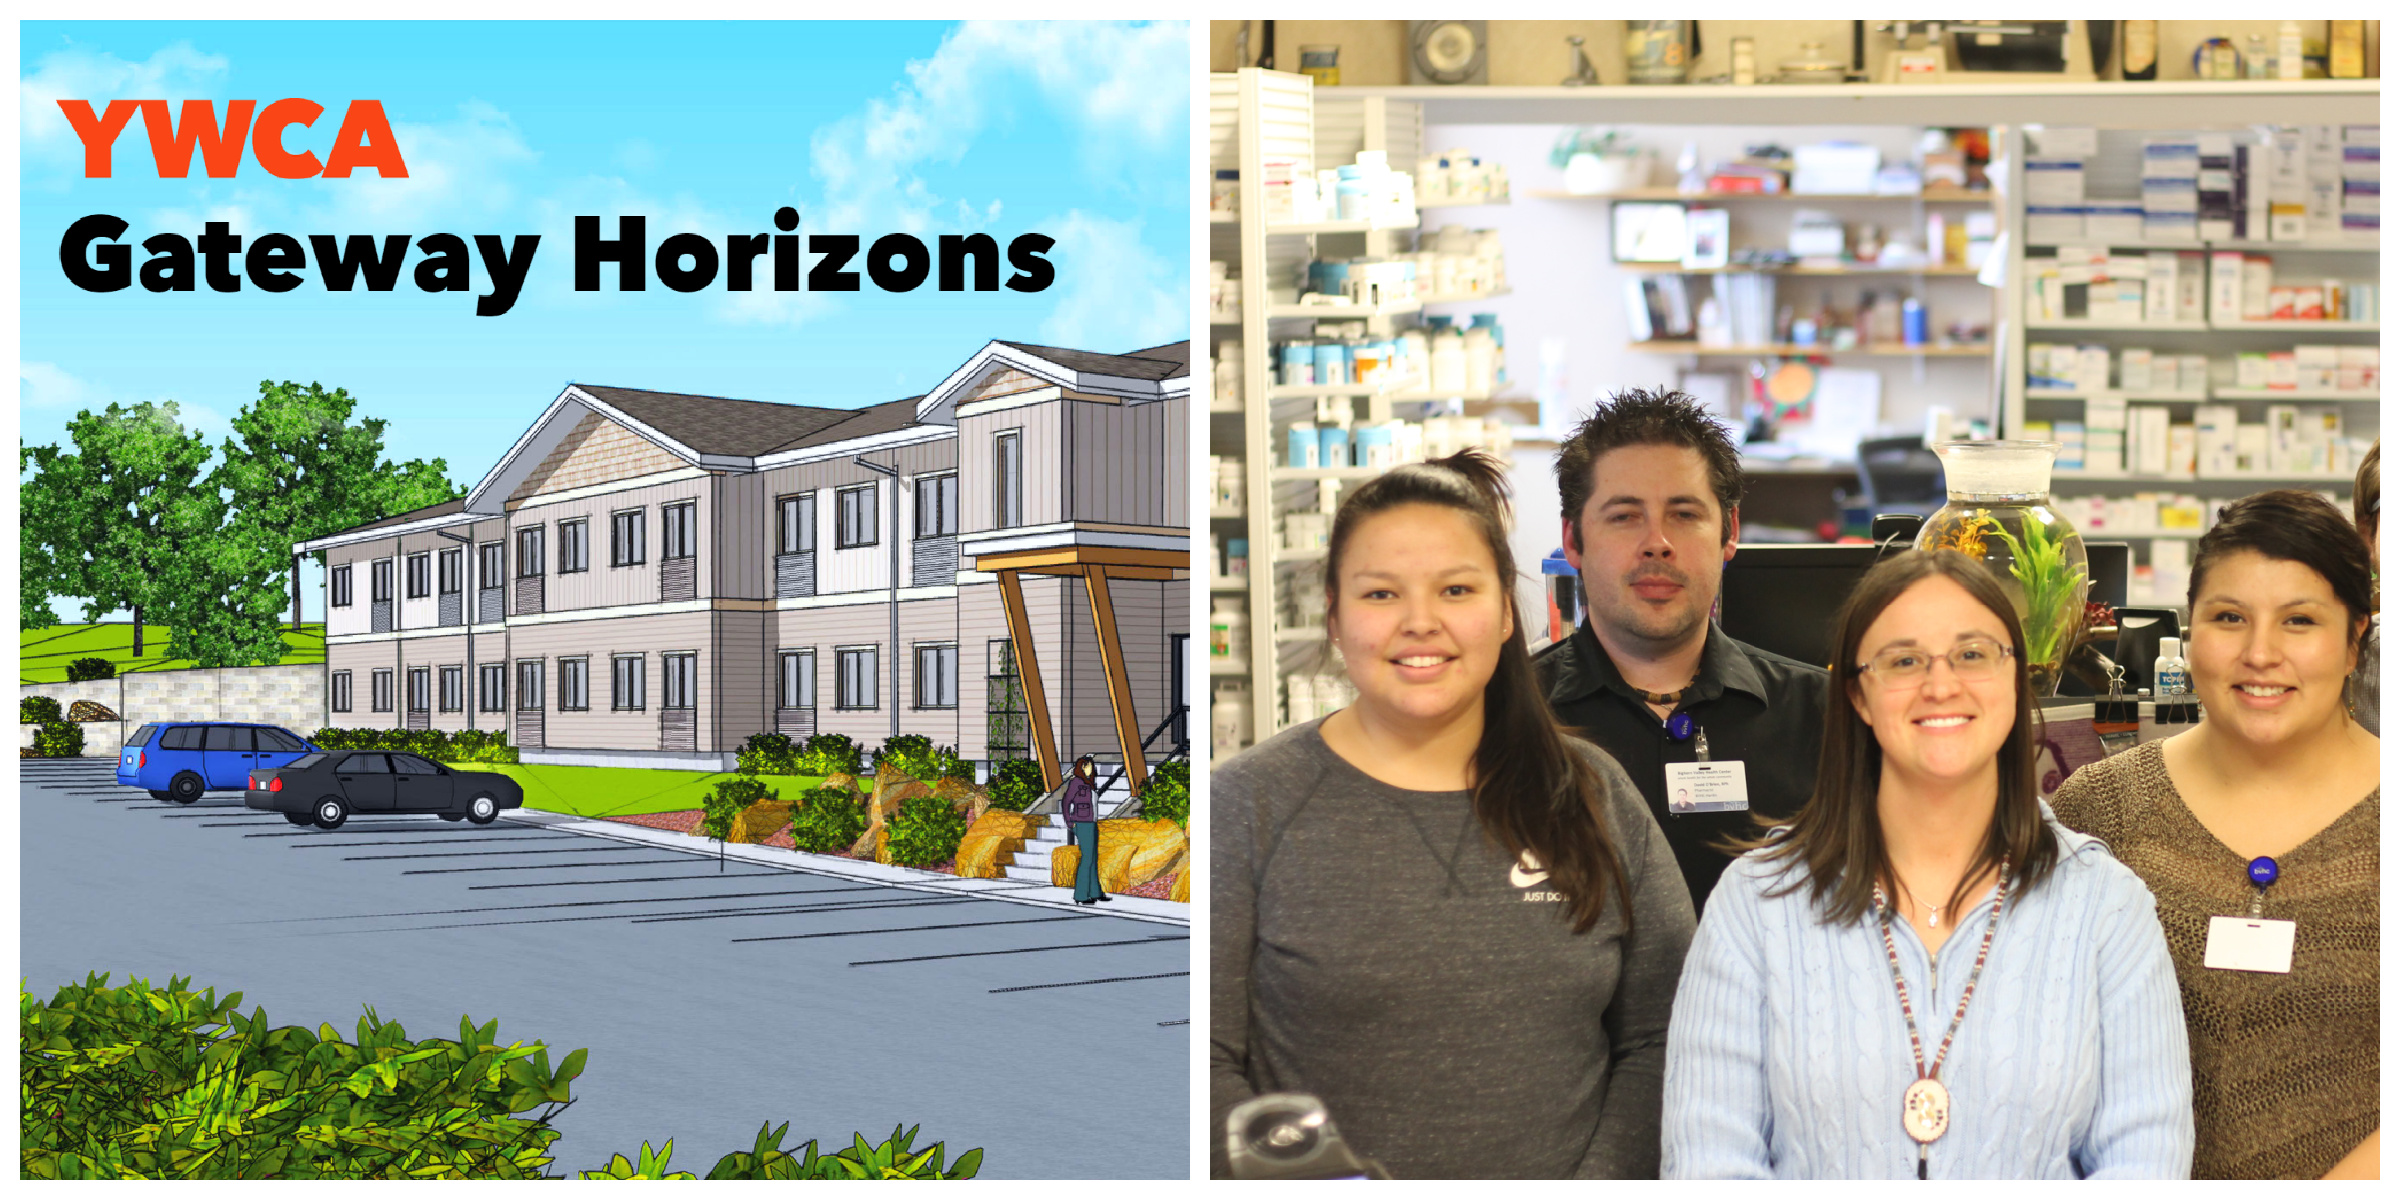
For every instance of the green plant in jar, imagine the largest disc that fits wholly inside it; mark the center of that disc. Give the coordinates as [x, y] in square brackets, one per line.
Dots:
[2054, 589]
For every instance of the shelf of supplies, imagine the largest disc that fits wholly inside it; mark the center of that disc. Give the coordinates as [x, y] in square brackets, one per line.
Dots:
[1226, 666]
[2319, 245]
[1336, 312]
[2129, 477]
[1303, 391]
[2288, 394]
[2039, 324]
[1226, 514]
[1281, 474]
[1287, 636]
[1229, 583]
[1931, 195]
[1797, 271]
[2204, 397]
[2113, 535]
[1224, 218]
[1305, 555]
[1225, 406]
[1282, 227]
[2033, 393]
[1422, 205]
[1460, 297]
[2295, 326]
[1890, 349]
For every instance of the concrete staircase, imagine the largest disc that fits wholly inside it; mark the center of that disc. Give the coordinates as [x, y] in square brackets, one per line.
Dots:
[1032, 864]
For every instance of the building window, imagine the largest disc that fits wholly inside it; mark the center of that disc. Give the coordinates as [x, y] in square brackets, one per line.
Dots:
[574, 546]
[491, 687]
[937, 505]
[625, 538]
[381, 697]
[680, 675]
[420, 689]
[341, 587]
[574, 690]
[937, 676]
[529, 685]
[529, 553]
[625, 681]
[491, 571]
[450, 562]
[420, 576]
[1008, 730]
[341, 691]
[380, 579]
[679, 527]
[854, 517]
[798, 524]
[856, 687]
[799, 679]
[1008, 469]
[454, 688]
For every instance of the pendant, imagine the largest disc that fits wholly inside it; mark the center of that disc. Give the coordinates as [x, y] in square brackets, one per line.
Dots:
[1925, 1110]
[1933, 916]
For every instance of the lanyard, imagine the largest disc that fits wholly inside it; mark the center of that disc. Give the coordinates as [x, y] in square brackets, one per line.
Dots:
[1925, 1107]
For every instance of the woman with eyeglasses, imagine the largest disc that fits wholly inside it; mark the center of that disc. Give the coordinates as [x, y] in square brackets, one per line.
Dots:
[2260, 830]
[1923, 975]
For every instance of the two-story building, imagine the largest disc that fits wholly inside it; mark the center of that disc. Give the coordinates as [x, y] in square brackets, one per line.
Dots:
[649, 578]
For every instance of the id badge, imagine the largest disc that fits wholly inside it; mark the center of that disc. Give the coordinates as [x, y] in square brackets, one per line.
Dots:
[1706, 787]
[2249, 944]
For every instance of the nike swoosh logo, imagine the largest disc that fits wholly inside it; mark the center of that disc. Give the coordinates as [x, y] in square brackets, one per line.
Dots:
[1526, 872]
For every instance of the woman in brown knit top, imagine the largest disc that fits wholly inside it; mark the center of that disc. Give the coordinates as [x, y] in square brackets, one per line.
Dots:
[2277, 784]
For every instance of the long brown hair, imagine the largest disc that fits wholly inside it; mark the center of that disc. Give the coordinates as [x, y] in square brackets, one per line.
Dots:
[1837, 839]
[1532, 792]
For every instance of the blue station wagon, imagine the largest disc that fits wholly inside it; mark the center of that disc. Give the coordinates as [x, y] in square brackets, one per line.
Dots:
[179, 760]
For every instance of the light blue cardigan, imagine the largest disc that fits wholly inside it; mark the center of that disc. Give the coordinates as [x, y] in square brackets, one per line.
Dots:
[1787, 1055]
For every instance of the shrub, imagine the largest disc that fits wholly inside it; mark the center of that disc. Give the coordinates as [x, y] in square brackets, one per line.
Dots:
[726, 800]
[1168, 794]
[925, 832]
[158, 1083]
[85, 670]
[35, 709]
[1016, 784]
[829, 821]
[426, 743]
[768, 754]
[829, 754]
[911, 754]
[768, 1159]
[330, 738]
[946, 764]
[58, 739]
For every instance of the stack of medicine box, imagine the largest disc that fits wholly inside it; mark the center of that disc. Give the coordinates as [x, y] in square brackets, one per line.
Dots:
[2362, 190]
[2171, 188]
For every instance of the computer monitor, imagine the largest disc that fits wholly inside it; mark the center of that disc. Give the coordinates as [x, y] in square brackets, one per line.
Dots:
[1783, 598]
[2110, 565]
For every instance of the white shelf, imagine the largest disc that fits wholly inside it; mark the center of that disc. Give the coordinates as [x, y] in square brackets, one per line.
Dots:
[1225, 406]
[1501, 202]
[1226, 514]
[2032, 393]
[1284, 556]
[2368, 397]
[2288, 394]
[1935, 196]
[1226, 666]
[1287, 636]
[1929, 270]
[1224, 218]
[2118, 326]
[1338, 312]
[2163, 480]
[2295, 326]
[2315, 246]
[1460, 297]
[1229, 583]
[1304, 391]
[1283, 227]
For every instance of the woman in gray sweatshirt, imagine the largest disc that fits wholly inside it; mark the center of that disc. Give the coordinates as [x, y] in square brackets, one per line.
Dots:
[1455, 924]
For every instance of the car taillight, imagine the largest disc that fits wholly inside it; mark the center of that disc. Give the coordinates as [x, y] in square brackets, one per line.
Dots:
[145, 759]
[254, 783]
[275, 784]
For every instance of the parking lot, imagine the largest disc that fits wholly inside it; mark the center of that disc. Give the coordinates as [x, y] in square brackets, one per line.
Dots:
[712, 996]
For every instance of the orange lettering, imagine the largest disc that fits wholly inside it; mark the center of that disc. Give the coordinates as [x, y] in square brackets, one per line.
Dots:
[98, 134]
[266, 139]
[221, 150]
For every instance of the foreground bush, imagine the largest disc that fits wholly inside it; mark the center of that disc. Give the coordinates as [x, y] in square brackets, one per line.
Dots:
[829, 754]
[35, 709]
[925, 832]
[726, 801]
[1167, 796]
[134, 1082]
[58, 739]
[829, 821]
[768, 754]
[462, 746]
[1016, 784]
[85, 670]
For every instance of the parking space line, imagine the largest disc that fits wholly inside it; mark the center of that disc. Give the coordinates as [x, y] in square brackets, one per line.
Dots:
[436, 840]
[877, 962]
[651, 862]
[1035, 987]
[488, 853]
[452, 912]
[490, 887]
[799, 937]
[797, 911]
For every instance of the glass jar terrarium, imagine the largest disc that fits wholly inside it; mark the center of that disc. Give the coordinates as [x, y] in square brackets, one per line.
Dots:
[1999, 514]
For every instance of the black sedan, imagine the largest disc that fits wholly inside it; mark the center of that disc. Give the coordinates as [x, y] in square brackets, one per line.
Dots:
[325, 788]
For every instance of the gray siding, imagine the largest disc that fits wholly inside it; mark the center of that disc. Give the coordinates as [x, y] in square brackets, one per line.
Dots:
[738, 522]
[1042, 426]
[1132, 463]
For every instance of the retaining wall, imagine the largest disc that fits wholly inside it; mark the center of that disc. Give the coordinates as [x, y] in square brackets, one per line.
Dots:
[292, 696]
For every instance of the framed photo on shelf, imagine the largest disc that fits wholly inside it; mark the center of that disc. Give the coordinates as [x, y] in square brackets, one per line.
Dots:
[1707, 234]
[1647, 232]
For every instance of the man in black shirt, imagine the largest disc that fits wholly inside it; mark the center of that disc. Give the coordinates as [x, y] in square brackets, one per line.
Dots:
[1650, 492]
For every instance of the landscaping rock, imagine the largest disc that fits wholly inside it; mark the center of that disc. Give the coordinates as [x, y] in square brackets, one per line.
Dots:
[971, 799]
[993, 842]
[843, 780]
[1062, 865]
[1133, 853]
[90, 710]
[890, 789]
[1183, 887]
[760, 821]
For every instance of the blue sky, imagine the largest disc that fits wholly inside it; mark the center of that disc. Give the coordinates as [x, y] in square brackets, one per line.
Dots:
[1079, 131]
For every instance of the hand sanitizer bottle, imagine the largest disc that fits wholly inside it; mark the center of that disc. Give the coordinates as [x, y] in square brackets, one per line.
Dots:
[2171, 674]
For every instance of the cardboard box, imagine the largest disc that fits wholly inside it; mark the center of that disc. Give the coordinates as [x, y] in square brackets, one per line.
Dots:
[2315, 367]
[2191, 373]
[2258, 287]
[2182, 449]
[2133, 369]
[2146, 440]
[2225, 280]
[2054, 182]
[2250, 449]
[2213, 434]
[2250, 369]
[2191, 286]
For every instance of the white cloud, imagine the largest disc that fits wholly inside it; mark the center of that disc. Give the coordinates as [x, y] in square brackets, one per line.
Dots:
[47, 385]
[74, 74]
[44, 385]
[1112, 294]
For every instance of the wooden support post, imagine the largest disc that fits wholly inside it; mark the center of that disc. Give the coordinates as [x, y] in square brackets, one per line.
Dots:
[1112, 657]
[1037, 703]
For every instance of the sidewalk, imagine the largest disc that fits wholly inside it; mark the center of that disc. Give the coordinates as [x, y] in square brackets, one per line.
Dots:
[1137, 908]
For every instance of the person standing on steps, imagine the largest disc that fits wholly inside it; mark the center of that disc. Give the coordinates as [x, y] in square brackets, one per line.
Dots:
[1079, 807]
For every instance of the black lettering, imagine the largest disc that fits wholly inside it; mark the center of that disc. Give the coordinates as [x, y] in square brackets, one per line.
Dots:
[827, 275]
[787, 250]
[626, 252]
[507, 267]
[956, 249]
[446, 264]
[218, 244]
[670, 262]
[115, 270]
[1025, 254]
[741, 250]
[918, 262]
[170, 265]
[271, 261]
[341, 268]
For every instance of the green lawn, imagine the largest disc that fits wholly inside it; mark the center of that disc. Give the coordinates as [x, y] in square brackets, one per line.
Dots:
[623, 791]
[43, 654]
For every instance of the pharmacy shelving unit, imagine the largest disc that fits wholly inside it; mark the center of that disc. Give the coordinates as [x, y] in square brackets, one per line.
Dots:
[1255, 115]
[2116, 171]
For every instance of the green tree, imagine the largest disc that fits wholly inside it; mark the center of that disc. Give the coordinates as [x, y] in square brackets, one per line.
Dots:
[118, 520]
[298, 468]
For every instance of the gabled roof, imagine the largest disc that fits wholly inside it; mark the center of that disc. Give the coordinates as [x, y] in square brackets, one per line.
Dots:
[1156, 373]
[717, 424]
[444, 509]
[863, 422]
[1154, 363]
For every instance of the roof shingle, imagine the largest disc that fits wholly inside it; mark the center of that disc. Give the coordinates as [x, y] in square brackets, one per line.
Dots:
[716, 424]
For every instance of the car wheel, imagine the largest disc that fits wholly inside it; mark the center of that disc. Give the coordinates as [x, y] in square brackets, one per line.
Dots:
[161, 797]
[330, 813]
[185, 788]
[299, 818]
[482, 809]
